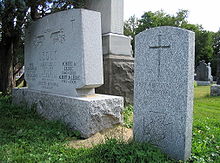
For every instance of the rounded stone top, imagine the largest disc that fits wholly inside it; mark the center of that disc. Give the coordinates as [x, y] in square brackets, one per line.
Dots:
[162, 29]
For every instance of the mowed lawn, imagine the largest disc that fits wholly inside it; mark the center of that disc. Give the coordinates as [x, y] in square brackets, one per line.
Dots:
[26, 137]
[206, 126]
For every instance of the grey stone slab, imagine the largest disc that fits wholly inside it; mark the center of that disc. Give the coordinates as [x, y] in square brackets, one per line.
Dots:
[88, 115]
[63, 53]
[116, 44]
[112, 12]
[203, 83]
[215, 90]
[163, 89]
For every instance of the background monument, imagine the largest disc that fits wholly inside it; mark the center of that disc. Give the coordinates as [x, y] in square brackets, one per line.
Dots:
[117, 51]
[203, 73]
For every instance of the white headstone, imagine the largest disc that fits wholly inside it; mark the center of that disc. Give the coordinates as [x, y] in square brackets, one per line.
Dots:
[163, 89]
[63, 53]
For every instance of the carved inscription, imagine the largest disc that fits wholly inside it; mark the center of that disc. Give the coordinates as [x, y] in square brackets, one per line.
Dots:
[58, 36]
[38, 41]
[31, 72]
[69, 74]
[47, 65]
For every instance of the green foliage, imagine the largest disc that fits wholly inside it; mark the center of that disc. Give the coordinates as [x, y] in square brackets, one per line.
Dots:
[128, 116]
[114, 151]
[160, 18]
[206, 126]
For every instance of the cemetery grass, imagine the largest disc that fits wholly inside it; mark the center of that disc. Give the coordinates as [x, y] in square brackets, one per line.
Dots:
[26, 137]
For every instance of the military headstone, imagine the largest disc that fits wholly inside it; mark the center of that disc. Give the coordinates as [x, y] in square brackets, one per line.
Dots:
[63, 65]
[163, 89]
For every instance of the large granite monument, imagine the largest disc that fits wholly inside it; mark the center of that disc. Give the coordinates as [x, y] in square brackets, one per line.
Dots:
[117, 51]
[203, 73]
[63, 66]
[163, 89]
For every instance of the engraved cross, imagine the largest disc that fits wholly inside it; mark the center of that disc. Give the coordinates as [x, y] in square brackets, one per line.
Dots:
[73, 20]
[159, 47]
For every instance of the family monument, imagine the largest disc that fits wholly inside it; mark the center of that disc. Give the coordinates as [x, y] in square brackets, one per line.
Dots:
[63, 66]
[163, 89]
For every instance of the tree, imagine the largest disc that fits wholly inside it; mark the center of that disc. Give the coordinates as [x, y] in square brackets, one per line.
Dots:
[204, 39]
[130, 27]
[14, 14]
[216, 61]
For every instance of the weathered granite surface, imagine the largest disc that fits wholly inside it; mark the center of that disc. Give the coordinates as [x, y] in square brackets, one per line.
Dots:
[118, 77]
[215, 90]
[163, 89]
[87, 115]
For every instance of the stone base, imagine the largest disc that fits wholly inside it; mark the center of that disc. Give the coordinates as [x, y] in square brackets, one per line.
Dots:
[116, 44]
[203, 83]
[215, 90]
[88, 115]
[118, 77]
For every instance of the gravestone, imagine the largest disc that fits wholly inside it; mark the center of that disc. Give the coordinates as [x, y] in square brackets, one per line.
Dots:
[163, 92]
[63, 66]
[203, 73]
[117, 51]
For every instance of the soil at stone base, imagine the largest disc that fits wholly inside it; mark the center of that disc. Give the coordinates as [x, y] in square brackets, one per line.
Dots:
[119, 132]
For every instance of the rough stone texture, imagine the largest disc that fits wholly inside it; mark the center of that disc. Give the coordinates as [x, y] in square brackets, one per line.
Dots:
[203, 72]
[63, 53]
[86, 114]
[112, 14]
[215, 90]
[163, 89]
[118, 77]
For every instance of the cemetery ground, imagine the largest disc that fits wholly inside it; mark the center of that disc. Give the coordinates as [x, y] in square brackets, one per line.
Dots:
[26, 137]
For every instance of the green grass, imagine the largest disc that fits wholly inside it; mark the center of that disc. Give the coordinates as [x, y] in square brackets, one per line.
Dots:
[206, 126]
[26, 137]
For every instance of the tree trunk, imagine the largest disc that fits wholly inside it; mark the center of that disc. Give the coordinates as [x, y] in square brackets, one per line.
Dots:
[6, 67]
[218, 69]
